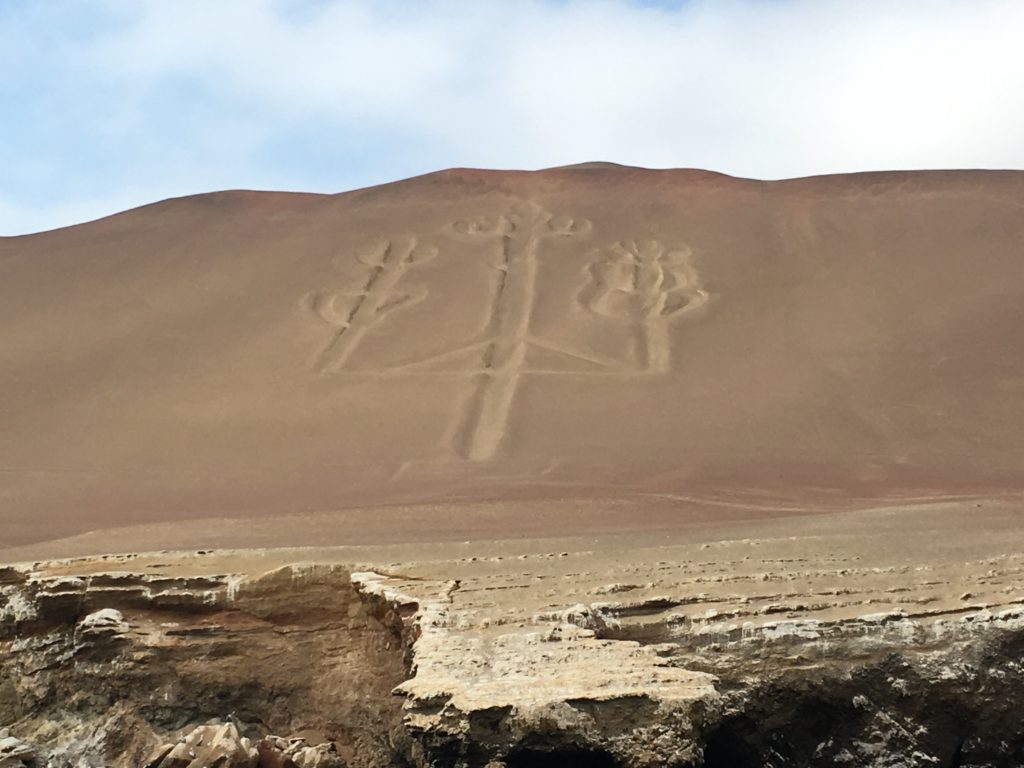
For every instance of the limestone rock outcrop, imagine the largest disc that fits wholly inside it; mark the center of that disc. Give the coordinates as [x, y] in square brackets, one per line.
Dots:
[222, 745]
[207, 745]
[398, 667]
[15, 753]
[297, 753]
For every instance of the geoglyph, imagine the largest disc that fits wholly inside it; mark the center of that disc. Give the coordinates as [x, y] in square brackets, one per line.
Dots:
[643, 283]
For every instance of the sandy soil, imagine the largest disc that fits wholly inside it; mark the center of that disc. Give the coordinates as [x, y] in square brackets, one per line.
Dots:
[477, 355]
[925, 562]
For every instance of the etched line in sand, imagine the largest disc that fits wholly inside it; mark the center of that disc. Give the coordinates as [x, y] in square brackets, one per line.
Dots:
[355, 313]
[648, 284]
[640, 282]
[519, 235]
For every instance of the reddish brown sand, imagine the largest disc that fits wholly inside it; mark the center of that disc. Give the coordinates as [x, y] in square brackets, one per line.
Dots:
[486, 355]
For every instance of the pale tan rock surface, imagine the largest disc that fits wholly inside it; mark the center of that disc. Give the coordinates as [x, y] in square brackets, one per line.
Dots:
[730, 645]
[205, 746]
[15, 753]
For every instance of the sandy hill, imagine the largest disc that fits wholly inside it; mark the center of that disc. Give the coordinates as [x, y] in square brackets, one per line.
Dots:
[474, 351]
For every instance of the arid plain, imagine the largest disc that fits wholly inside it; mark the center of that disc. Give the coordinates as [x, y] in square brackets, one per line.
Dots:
[661, 339]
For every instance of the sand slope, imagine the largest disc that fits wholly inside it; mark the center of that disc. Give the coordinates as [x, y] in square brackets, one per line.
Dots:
[592, 334]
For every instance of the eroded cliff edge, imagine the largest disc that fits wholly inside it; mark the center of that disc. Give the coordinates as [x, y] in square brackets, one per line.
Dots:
[829, 646]
[104, 664]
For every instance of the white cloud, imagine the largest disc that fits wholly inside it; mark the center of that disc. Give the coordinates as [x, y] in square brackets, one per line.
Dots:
[763, 88]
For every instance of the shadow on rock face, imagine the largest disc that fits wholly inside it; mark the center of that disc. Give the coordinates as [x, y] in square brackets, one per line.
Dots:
[726, 749]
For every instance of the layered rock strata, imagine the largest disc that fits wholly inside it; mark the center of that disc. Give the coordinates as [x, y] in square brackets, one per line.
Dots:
[736, 653]
[101, 667]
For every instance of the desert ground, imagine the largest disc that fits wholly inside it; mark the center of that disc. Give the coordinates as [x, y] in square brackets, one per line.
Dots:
[602, 344]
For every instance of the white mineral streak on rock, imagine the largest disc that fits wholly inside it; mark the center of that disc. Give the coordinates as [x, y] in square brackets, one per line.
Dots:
[234, 584]
[17, 607]
[303, 571]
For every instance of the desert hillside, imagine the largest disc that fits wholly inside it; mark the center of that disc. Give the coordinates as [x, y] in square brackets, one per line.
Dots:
[592, 466]
[480, 354]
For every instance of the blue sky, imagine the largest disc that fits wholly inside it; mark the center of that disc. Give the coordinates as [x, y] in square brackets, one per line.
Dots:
[107, 104]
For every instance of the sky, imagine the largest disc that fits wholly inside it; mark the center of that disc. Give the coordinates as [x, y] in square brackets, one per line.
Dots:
[109, 104]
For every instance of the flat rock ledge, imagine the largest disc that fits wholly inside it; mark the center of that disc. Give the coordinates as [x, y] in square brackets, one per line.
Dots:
[167, 667]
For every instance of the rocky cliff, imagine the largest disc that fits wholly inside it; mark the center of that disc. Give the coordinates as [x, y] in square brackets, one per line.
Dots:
[102, 667]
[735, 652]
